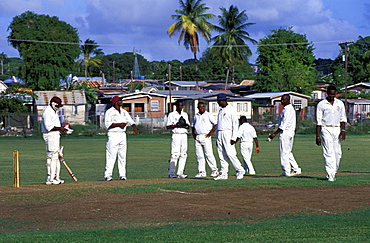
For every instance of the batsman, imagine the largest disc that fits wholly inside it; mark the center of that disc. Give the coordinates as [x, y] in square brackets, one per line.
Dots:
[51, 128]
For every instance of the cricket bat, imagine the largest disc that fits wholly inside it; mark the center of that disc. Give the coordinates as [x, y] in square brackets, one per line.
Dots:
[61, 159]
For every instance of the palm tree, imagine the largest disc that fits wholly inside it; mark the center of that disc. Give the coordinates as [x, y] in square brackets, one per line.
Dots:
[191, 19]
[230, 45]
[89, 48]
[3, 56]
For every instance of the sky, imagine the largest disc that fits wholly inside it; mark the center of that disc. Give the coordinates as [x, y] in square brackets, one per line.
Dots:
[125, 25]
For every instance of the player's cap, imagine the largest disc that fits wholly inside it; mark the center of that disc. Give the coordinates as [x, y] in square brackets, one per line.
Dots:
[221, 96]
[57, 100]
[115, 99]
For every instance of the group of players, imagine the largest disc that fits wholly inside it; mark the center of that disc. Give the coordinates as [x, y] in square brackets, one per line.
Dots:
[331, 121]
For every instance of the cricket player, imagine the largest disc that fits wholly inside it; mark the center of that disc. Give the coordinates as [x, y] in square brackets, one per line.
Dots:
[227, 128]
[178, 121]
[331, 122]
[247, 134]
[51, 128]
[116, 120]
[286, 131]
[204, 125]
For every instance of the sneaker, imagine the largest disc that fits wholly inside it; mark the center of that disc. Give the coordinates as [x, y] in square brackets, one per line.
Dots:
[201, 174]
[330, 177]
[221, 176]
[48, 182]
[122, 178]
[296, 172]
[56, 182]
[108, 178]
[182, 176]
[171, 175]
[240, 174]
[60, 181]
[284, 174]
[214, 173]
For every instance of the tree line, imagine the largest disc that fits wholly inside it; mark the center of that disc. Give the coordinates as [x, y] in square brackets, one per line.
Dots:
[50, 49]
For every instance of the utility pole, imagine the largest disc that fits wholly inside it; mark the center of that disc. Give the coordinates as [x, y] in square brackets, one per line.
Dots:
[169, 84]
[344, 46]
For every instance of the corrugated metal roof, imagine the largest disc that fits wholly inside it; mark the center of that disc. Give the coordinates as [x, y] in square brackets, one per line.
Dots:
[73, 97]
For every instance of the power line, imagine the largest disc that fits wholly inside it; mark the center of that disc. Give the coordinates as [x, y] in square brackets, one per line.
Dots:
[217, 46]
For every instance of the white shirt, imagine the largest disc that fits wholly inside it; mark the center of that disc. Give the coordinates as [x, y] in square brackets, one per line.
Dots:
[174, 117]
[203, 123]
[227, 120]
[330, 115]
[246, 132]
[50, 119]
[287, 118]
[112, 115]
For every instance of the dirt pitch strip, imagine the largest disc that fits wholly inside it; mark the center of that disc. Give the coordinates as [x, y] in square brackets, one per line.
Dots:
[34, 208]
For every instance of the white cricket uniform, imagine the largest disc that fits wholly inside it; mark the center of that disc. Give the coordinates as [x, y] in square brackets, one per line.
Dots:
[203, 124]
[227, 128]
[116, 145]
[179, 143]
[287, 123]
[247, 133]
[329, 118]
[50, 119]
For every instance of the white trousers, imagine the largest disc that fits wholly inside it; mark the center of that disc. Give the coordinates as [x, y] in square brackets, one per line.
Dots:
[116, 147]
[287, 161]
[204, 152]
[179, 148]
[331, 147]
[246, 149]
[227, 152]
[52, 141]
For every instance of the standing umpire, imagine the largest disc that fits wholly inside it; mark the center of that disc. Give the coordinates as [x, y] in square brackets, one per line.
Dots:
[331, 122]
[116, 120]
[178, 121]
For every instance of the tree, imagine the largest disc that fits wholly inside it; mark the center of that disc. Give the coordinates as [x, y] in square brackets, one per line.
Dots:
[3, 56]
[191, 19]
[89, 48]
[286, 61]
[47, 46]
[230, 45]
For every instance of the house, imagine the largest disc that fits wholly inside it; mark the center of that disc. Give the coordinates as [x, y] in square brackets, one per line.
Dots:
[242, 105]
[74, 105]
[363, 86]
[270, 103]
[184, 85]
[358, 110]
[3, 86]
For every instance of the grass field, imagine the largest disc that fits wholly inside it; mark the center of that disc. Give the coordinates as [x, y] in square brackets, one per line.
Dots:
[148, 157]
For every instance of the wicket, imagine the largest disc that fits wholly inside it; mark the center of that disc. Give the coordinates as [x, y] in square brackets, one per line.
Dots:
[16, 168]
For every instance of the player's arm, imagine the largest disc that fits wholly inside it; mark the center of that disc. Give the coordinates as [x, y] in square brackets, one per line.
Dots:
[272, 135]
[121, 124]
[318, 138]
[342, 134]
[212, 131]
[193, 132]
[135, 129]
[257, 146]
[62, 129]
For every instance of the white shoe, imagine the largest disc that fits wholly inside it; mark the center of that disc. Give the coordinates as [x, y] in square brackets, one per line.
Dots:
[48, 182]
[108, 178]
[171, 175]
[60, 181]
[331, 177]
[122, 178]
[296, 172]
[214, 173]
[182, 176]
[240, 174]
[56, 182]
[221, 176]
[201, 174]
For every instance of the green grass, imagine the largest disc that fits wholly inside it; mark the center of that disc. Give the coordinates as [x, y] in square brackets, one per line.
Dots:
[303, 227]
[148, 159]
[148, 156]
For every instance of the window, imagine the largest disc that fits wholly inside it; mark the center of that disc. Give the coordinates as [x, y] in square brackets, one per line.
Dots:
[154, 105]
[240, 107]
[297, 104]
[214, 108]
[74, 110]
